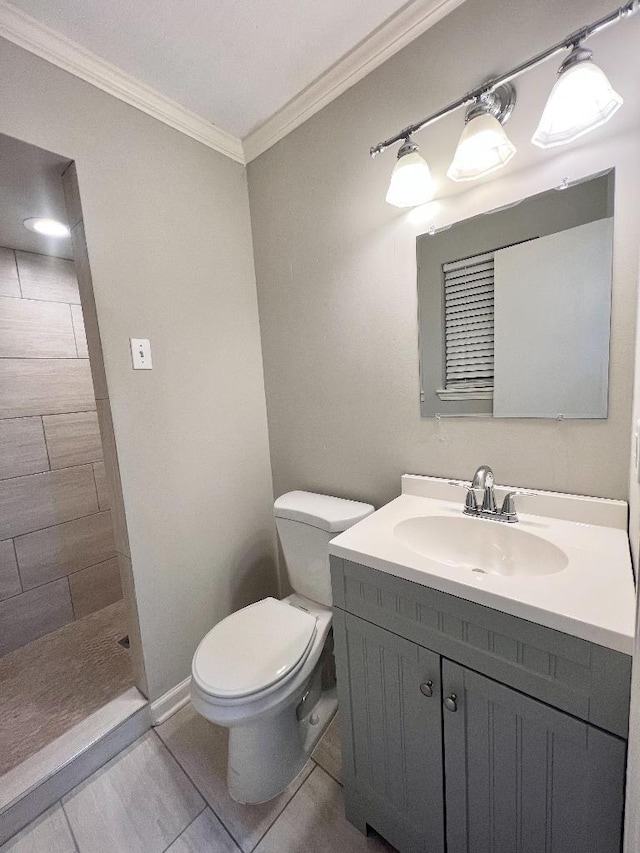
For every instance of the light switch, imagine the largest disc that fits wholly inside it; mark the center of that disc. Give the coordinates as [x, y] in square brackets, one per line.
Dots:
[141, 354]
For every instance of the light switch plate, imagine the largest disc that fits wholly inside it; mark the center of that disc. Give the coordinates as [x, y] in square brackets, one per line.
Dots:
[141, 354]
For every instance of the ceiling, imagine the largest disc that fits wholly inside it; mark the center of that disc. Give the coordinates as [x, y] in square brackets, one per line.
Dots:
[30, 186]
[233, 62]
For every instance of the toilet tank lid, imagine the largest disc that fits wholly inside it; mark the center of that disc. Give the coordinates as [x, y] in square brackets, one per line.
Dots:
[323, 511]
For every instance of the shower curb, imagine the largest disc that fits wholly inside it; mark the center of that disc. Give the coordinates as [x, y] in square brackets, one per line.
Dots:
[48, 775]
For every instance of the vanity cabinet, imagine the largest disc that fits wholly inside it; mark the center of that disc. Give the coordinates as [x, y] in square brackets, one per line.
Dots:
[447, 745]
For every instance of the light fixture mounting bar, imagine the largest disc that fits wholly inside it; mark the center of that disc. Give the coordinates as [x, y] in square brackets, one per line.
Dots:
[471, 97]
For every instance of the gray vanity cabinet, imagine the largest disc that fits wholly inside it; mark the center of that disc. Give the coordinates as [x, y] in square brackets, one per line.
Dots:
[394, 766]
[447, 745]
[521, 776]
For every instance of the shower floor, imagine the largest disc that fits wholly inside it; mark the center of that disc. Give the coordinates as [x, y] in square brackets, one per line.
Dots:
[48, 686]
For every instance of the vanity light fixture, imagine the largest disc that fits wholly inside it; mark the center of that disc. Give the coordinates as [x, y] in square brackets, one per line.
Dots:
[581, 100]
[411, 182]
[484, 146]
[47, 227]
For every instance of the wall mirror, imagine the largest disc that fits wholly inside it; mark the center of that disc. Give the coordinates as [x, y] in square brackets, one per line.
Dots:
[515, 308]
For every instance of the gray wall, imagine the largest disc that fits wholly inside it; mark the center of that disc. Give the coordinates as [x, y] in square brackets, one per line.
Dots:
[169, 241]
[336, 271]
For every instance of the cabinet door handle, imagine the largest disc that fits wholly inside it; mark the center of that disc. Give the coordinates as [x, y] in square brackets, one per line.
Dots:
[426, 688]
[451, 703]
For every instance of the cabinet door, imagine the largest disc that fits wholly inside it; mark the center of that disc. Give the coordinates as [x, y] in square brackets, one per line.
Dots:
[391, 734]
[521, 777]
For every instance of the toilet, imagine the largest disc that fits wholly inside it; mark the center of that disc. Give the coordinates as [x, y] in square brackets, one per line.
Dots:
[266, 671]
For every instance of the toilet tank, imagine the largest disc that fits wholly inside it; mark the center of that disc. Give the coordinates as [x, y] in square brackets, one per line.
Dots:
[306, 522]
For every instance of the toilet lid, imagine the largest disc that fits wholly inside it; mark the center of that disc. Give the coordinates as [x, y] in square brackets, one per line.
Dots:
[253, 648]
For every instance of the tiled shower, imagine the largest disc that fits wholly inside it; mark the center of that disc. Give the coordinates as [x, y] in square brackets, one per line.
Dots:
[57, 551]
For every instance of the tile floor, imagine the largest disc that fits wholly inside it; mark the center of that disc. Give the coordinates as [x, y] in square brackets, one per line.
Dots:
[167, 792]
[80, 668]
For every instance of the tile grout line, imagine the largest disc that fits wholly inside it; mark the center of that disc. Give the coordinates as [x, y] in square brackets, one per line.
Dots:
[38, 299]
[42, 358]
[193, 782]
[46, 449]
[202, 796]
[286, 806]
[73, 330]
[38, 254]
[329, 773]
[73, 835]
[95, 484]
[15, 554]
[191, 822]
[51, 470]
[15, 262]
[49, 414]
[51, 526]
[73, 607]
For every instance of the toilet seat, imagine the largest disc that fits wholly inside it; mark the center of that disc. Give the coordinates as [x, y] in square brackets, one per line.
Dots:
[254, 650]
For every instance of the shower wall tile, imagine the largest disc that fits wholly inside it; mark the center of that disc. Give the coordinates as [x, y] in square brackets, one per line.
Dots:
[9, 577]
[104, 501]
[79, 331]
[42, 500]
[22, 447]
[33, 614]
[33, 329]
[57, 551]
[95, 588]
[56, 526]
[50, 279]
[72, 439]
[42, 386]
[9, 284]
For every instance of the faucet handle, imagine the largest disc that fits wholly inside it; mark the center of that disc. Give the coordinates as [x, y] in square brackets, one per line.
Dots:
[470, 501]
[508, 504]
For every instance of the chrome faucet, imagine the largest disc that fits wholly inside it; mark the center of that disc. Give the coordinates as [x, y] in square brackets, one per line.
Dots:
[484, 479]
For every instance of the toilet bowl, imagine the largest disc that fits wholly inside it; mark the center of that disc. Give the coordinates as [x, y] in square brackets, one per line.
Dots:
[266, 671]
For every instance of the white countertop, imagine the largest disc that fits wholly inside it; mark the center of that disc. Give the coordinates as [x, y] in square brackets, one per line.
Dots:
[592, 598]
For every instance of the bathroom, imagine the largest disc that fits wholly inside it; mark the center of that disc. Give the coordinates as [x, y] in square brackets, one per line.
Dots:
[278, 292]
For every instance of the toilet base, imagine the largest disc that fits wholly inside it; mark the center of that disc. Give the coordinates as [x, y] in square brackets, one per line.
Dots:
[266, 756]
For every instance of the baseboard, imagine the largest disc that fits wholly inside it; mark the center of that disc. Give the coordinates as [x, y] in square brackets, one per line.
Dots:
[41, 780]
[170, 702]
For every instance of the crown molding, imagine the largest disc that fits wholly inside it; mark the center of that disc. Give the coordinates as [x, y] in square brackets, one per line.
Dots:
[397, 32]
[27, 32]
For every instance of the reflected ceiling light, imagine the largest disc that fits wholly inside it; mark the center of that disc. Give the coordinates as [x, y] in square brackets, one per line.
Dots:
[47, 227]
[484, 147]
[411, 182]
[581, 100]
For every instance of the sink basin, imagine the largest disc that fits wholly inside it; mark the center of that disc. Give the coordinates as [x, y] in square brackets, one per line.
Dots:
[565, 564]
[480, 546]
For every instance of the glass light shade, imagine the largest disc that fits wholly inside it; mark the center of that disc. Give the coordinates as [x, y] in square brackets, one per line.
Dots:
[581, 100]
[47, 227]
[411, 182]
[483, 148]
